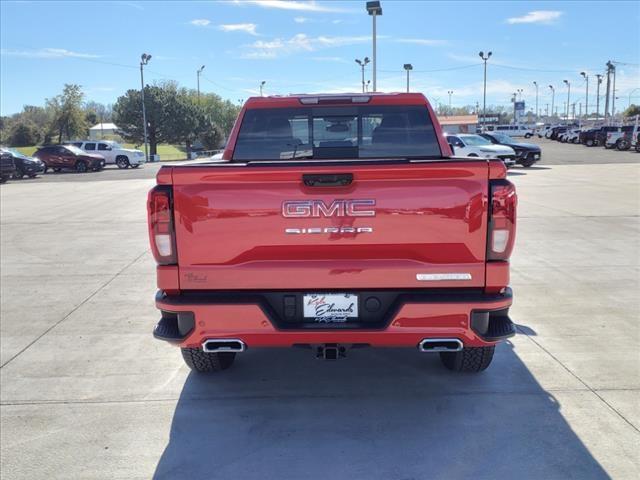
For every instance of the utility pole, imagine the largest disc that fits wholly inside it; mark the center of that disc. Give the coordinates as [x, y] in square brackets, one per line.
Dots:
[553, 97]
[363, 63]
[144, 59]
[408, 67]
[374, 9]
[450, 92]
[198, 72]
[613, 96]
[513, 99]
[568, 97]
[367, 86]
[484, 92]
[537, 111]
[599, 81]
[262, 85]
[586, 98]
[608, 90]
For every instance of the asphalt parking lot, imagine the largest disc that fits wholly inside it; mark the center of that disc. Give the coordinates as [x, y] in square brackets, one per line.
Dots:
[86, 392]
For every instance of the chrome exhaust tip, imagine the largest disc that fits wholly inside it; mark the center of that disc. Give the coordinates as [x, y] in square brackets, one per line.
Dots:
[215, 345]
[440, 345]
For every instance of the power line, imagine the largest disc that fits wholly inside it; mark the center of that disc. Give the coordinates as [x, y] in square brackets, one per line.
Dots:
[435, 70]
[526, 69]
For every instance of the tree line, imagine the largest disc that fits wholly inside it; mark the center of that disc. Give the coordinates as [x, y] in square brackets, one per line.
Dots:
[174, 115]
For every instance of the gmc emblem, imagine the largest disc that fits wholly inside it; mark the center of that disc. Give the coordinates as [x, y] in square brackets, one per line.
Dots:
[337, 208]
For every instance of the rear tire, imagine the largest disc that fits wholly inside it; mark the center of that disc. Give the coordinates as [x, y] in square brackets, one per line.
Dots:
[623, 144]
[122, 161]
[469, 359]
[205, 362]
[589, 143]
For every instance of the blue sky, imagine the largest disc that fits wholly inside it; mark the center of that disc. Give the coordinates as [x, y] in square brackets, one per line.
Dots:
[305, 46]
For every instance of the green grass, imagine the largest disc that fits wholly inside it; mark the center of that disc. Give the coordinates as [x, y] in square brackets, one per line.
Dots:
[29, 151]
[166, 152]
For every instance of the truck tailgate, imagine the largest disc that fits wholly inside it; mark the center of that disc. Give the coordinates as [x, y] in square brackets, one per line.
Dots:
[419, 225]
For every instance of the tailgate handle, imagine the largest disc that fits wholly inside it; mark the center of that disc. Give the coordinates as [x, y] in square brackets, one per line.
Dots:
[327, 179]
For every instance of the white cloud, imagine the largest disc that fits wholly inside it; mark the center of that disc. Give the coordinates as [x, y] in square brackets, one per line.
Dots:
[298, 43]
[249, 28]
[295, 5]
[137, 6]
[422, 41]
[200, 22]
[330, 59]
[538, 16]
[300, 19]
[47, 53]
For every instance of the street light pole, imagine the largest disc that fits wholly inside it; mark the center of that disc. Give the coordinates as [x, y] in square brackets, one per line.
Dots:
[537, 111]
[599, 81]
[198, 72]
[262, 85]
[450, 92]
[408, 67]
[568, 97]
[374, 9]
[363, 63]
[586, 99]
[553, 97]
[144, 59]
[484, 92]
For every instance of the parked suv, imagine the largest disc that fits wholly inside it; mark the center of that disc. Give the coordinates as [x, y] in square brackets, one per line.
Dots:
[24, 165]
[526, 153]
[7, 167]
[58, 157]
[589, 137]
[113, 153]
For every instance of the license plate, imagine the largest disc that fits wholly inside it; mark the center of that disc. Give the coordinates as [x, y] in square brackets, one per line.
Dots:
[330, 307]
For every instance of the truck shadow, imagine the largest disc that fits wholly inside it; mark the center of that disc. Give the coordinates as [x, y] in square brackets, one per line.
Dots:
[381, 413]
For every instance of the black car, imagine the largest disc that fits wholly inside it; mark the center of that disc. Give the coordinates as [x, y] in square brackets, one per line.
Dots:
[24, 165]
[555, 131]
[589, 137]
[526, 153]
[7, 167]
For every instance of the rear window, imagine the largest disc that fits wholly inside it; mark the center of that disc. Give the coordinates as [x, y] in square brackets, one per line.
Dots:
[337, 133]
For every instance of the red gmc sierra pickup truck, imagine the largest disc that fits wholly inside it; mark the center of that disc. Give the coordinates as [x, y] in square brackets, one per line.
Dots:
[332, 222]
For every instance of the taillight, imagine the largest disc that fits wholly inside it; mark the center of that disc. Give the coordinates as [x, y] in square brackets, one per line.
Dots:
[502, 220]
[161, 231]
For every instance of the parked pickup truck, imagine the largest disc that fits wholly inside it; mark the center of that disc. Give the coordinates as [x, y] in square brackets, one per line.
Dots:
[334, 222]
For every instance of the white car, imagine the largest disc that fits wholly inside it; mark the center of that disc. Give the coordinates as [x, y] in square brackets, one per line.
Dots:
[544, 131]
[571, 136]
[470, 145]
[113, 153]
